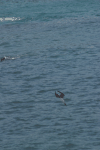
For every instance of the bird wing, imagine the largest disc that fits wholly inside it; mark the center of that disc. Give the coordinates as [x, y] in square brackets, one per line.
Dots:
[57, 95]
[61, 95]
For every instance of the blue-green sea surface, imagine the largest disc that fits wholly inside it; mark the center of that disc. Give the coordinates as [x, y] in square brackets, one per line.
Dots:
[48, 46]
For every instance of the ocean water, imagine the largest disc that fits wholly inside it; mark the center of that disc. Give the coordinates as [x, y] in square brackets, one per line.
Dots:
[48, 46]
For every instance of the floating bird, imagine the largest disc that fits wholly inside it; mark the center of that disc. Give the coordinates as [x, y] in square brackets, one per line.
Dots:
[2, 58]
[60, 96]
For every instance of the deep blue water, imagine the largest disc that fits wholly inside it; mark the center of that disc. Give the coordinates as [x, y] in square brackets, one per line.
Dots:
[49, 45]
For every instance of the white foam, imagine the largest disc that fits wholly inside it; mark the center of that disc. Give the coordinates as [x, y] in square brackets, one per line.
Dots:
[1, 19]
[10, 19]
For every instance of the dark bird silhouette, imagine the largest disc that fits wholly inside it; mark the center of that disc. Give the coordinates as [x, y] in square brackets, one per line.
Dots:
[2, 58]
[60, 96]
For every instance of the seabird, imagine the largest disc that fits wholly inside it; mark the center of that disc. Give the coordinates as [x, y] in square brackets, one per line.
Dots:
[2, 58]
[60, 96]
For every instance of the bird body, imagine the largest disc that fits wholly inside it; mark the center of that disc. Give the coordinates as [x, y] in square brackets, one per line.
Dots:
[2, 58]
[60, 96]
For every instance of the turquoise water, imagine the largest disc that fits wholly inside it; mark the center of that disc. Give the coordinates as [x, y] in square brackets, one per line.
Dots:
[49, 45]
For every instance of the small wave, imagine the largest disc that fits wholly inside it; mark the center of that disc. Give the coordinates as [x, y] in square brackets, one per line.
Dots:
[10, 19]
[8, 58]
[11, 57]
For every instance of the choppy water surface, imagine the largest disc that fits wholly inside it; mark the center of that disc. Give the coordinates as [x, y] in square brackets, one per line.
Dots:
[50, 46]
